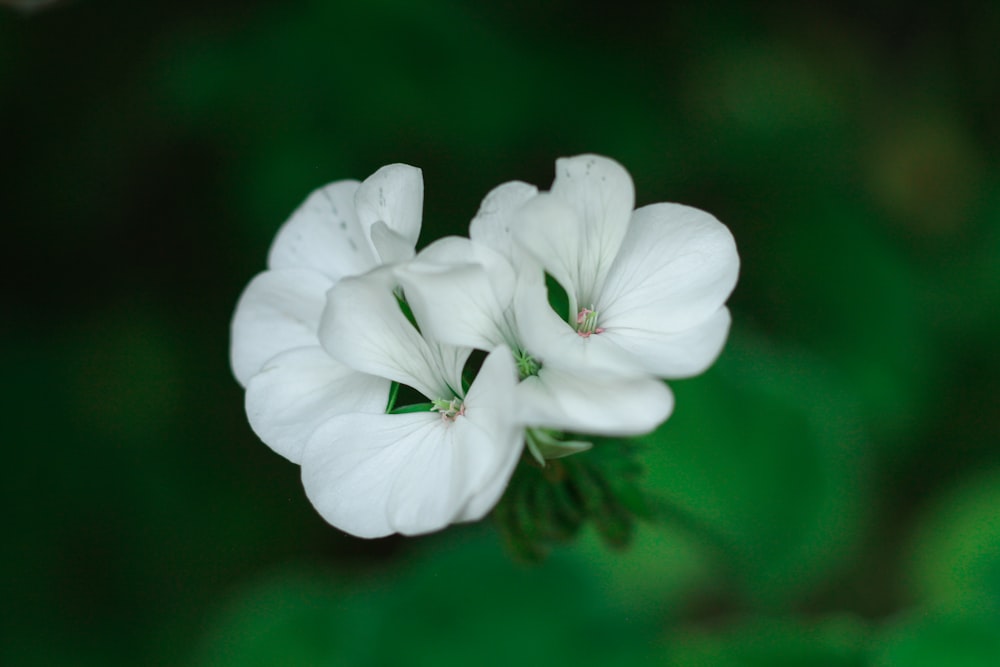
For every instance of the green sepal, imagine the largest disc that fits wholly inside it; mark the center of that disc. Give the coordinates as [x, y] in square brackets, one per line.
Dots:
[545, 444]
[405, 307]
[416, 407]
[393, 394]
[546, 504]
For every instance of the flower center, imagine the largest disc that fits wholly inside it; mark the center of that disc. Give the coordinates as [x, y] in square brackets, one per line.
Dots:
[586, 322]
[450, 410]
[527, 365]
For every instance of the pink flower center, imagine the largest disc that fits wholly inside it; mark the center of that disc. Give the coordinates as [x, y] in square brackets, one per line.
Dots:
[586, 323]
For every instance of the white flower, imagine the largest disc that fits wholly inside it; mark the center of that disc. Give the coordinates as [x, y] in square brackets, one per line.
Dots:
[417, 472]
[345, 228]
[465, 292]
[647, 287]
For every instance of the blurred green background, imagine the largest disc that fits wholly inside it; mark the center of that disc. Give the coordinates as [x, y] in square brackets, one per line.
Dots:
[843, 451]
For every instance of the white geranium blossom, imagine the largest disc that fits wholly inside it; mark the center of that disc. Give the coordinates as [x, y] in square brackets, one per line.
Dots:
[416, 472]
[346, 314]
[647, 287]
[465, 292]
[345, 228]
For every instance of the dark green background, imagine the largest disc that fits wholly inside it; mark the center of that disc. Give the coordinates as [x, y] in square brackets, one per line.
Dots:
[844, 448]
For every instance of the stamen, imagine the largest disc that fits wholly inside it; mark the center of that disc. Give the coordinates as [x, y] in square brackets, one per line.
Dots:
[586, 322]
[527, 365]
[450, 410]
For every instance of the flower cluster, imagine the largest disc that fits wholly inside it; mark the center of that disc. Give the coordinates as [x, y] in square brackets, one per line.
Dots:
[348, 313]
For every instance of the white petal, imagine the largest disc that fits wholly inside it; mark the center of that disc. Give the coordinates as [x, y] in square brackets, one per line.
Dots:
[491, 430]
[583, 245]
[278, 311]
[395, 195]
[551, 232]
[450, 359]
[594, 402]
[454, 250]
[677, 354]
[600, 190]
[492, 225]
[363, 327]
[324, 234]
[390, 246]
[675, 269]
[374, 475]
[458, 291]
[297, 391]
[454, 305]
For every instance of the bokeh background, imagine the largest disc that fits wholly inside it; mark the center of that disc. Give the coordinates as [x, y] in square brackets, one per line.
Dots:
[842, 454]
